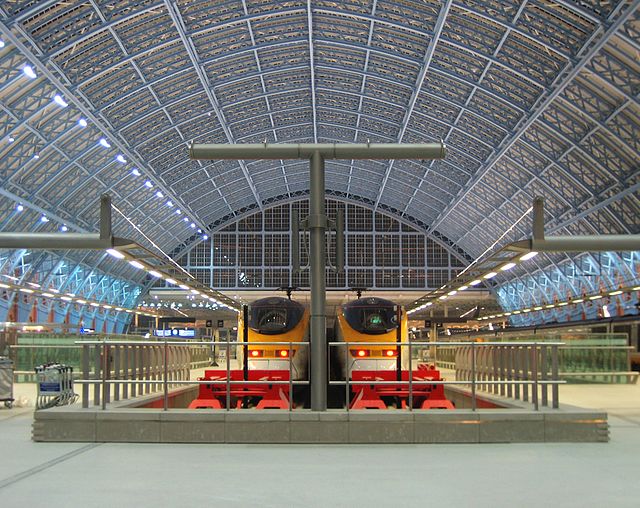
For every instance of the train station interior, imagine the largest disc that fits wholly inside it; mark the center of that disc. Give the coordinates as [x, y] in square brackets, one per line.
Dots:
[319, 253]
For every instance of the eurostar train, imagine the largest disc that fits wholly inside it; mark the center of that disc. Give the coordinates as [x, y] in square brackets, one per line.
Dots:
[276, 319]
[370, 319]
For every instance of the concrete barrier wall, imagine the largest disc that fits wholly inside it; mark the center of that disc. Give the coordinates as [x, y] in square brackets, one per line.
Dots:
[339, 427]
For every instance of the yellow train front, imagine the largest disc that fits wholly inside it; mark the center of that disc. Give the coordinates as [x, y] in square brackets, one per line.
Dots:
[370, 320]
[276, 319]
[371, 328]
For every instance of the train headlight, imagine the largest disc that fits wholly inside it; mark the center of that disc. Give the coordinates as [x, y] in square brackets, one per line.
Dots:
[360, 353]
[255, 353]
[390, 353]
[283, 353]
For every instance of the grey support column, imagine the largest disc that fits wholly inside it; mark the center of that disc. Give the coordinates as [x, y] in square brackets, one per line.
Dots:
[317, 254]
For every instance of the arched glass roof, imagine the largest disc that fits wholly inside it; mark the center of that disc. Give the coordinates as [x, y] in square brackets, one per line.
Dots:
[532, 97]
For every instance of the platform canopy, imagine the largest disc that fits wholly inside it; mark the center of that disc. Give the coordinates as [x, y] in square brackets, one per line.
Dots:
[531, 97]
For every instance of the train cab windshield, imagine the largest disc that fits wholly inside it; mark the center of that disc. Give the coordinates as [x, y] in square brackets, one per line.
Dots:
[276, 315]
[371, 315]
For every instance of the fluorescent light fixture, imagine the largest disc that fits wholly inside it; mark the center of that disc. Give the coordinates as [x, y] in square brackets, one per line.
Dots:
[81, 301]
[66, 298]
[64, 228]
[516, 312]
[526, 310]
[26, 290]
[186, 219]
[120, 158]
[19, 208]
[29, 72]
[104, 143]
[443, 297]
[178, 211]
[135, 172]
[128, 310]
[428, 304]
[60, 101]
[11, 139]
[550, 306]
[537, 308]
[451, 293]
[1, 44]
[159, 194]
[107, 307]
[562, 304]
[36, 156]
[82, 122]
[193, 225]
[595, 297]
[44, 219]
[579, 300]
[490, 275]
[183, 286]
[528, 255]
[46, 295]
[605, 311]
[148, 184]
[115, 253]
[169, 203]
[119, 309]
[170, 281]
[508, 266]
[195, 291]
[462, 288]
[153, 273]
[475, 282]
[136, 264]
[94, 304]
[54, 290]
[205, 237]
[614, 293]
[33, 284]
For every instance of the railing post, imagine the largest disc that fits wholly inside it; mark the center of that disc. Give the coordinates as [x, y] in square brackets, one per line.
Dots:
[97, 374]
[554, 377]
[229, 371]
[410, 375]
[525, 372]
[85, 375]
[473, 376]
[534, 350]
[125, 369]
[116, 372]
[105, 366]
[518, 352]
[165, 387]
[347, 397]
[543, 373]
[290, 378]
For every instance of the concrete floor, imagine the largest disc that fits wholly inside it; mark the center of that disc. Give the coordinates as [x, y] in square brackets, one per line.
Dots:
[495, 475]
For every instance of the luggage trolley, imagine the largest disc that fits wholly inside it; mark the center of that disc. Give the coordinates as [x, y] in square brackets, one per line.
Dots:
[6, 381]
[55, 385]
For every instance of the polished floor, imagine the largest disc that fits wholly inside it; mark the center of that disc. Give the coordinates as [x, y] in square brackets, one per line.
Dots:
[496, 475]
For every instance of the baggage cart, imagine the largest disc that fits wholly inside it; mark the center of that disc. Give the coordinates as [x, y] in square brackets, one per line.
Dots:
[6, 381]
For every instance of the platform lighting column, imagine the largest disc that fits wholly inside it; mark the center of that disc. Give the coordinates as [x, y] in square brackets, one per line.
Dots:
[317, 229]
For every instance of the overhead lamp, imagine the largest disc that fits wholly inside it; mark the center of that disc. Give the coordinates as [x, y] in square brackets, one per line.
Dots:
[46, 295]
[44, 219]
[462, 288]
[595, 297]
[136, 264]
[451, 293]
[81, 301]
[26, 290]
[579, 300]
[11, 139]
[1, 44]
[526, 310]
[20, 207]
[36, 156]
[64, 228]
[443, 297]
[107, 307]
[528, 255]
[169, 203]
[29, 72]
[153, 273]
[120, 158]
[119, 309]
[506, 267]
[54, 290]
[82, 122]
[195, 291]
[148, 184]
[637, 288]
[562, 304]
[135, 172]
[94, 304]
[537, 308]
[104, 143]
[475, 282]
[193, 225]
[159, 194]
[115, 253]
[170, 281]
[183, 286]
[199, 230]
[490, 275]
[205, 237]
[550, 306]
[60, 101]
[614, 293]
[516, 312]
[66, 298]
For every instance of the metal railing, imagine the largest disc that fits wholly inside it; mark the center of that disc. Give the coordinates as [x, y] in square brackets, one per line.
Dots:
[140, 376]
[475, 370]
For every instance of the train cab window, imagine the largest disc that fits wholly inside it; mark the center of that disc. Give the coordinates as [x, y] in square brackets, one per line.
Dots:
[371, 315]
[274, 315]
